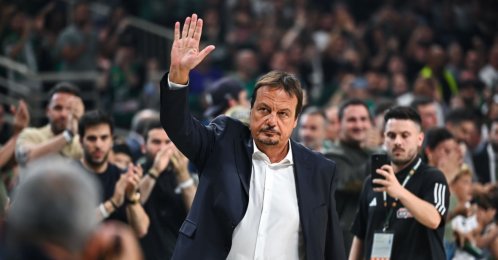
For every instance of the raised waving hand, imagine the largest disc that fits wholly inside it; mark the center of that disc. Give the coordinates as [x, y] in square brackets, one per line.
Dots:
[185, 53]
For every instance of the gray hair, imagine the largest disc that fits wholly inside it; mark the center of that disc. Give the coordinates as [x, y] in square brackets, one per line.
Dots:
[55, 203]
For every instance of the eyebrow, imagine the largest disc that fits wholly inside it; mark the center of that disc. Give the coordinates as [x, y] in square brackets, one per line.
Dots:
[284, 110]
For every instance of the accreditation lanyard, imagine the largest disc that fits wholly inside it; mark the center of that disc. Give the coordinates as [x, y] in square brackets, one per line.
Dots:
[395, 202]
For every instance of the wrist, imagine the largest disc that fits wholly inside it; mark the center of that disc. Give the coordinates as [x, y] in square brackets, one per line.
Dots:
[115, 205]
[183, 176]
[68, 135]
[133, 199]
[119, 200]
[153, 174]
[177, 75]
[184, 185]
[103, 211]
[18, 129]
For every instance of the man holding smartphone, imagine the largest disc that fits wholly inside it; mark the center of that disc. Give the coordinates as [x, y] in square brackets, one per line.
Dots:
[404, 217]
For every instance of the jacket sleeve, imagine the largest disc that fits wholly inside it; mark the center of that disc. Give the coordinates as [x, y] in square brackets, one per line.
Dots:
[193, 139]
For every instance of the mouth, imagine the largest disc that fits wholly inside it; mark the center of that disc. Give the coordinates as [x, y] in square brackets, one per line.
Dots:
[269, 132]
[399, 150]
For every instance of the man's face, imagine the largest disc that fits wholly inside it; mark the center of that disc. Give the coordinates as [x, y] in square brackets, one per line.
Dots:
[447, 149]
[58, 111]
[122, 160]
[355, 124]
[485, 215]
[312, 131]
[333, 125]
[273, 116]
[157, 139]
[465, 132]
[97, 144]
[462, 188]
[402, 138]
[428, 114]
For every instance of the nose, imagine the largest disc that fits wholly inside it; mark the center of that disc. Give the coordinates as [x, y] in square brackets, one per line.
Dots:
[270, 120]
[99, 142]
[65, 112]
[397, 140]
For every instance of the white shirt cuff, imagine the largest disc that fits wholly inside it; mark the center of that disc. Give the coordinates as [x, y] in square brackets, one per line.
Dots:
[174, 86]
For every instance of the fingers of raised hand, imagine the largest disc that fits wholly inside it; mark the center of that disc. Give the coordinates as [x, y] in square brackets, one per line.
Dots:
[198, 30]
[177, 31]
[192, 25]
[208, 49]
[186, 26]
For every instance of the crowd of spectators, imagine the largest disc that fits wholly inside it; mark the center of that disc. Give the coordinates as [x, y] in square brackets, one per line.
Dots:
[440, 57]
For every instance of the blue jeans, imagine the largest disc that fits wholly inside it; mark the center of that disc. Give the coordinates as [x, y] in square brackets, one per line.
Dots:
[449, 248]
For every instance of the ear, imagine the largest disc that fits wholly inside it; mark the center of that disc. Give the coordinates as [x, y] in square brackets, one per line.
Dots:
[295, 122]
[428, 152]
[142, 148]
[420, 138]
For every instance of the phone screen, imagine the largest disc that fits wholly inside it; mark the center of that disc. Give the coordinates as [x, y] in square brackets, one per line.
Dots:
[377, 161]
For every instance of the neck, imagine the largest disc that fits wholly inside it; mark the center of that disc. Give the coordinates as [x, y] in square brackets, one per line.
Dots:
[275, 153]
[398, 168]
[431, 162]
[98, 169]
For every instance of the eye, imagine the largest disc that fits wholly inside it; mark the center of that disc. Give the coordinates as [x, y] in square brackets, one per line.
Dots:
[264, 110]
[283, 114]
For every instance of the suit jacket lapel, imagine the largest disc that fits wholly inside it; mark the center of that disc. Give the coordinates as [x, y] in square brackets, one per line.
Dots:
[304, 170]
[243, 160]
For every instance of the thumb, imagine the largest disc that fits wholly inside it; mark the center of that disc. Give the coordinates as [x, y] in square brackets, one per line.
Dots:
[205, 52]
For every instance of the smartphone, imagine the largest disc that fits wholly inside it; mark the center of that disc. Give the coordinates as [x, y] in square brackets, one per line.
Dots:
[377, 161]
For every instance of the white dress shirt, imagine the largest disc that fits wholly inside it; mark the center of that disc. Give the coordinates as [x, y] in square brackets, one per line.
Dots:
[270, 228]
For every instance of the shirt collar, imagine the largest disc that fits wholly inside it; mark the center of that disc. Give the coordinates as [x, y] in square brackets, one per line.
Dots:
[257, 154]
[408, 168]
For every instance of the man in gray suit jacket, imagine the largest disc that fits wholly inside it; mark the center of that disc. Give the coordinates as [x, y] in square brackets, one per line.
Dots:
[260, 194]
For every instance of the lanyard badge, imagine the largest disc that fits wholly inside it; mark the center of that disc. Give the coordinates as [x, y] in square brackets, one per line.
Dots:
[382, 246]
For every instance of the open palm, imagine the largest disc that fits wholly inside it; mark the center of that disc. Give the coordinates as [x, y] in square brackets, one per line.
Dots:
[185, 54]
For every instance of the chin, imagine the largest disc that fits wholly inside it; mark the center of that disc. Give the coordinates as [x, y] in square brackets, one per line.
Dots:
[268, 141]
[401, 160]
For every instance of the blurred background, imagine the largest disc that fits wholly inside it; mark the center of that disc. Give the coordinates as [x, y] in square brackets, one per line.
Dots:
[116, 51]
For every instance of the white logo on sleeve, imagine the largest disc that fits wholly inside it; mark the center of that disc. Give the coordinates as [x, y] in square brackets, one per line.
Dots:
[373, 203]
[439, 197]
